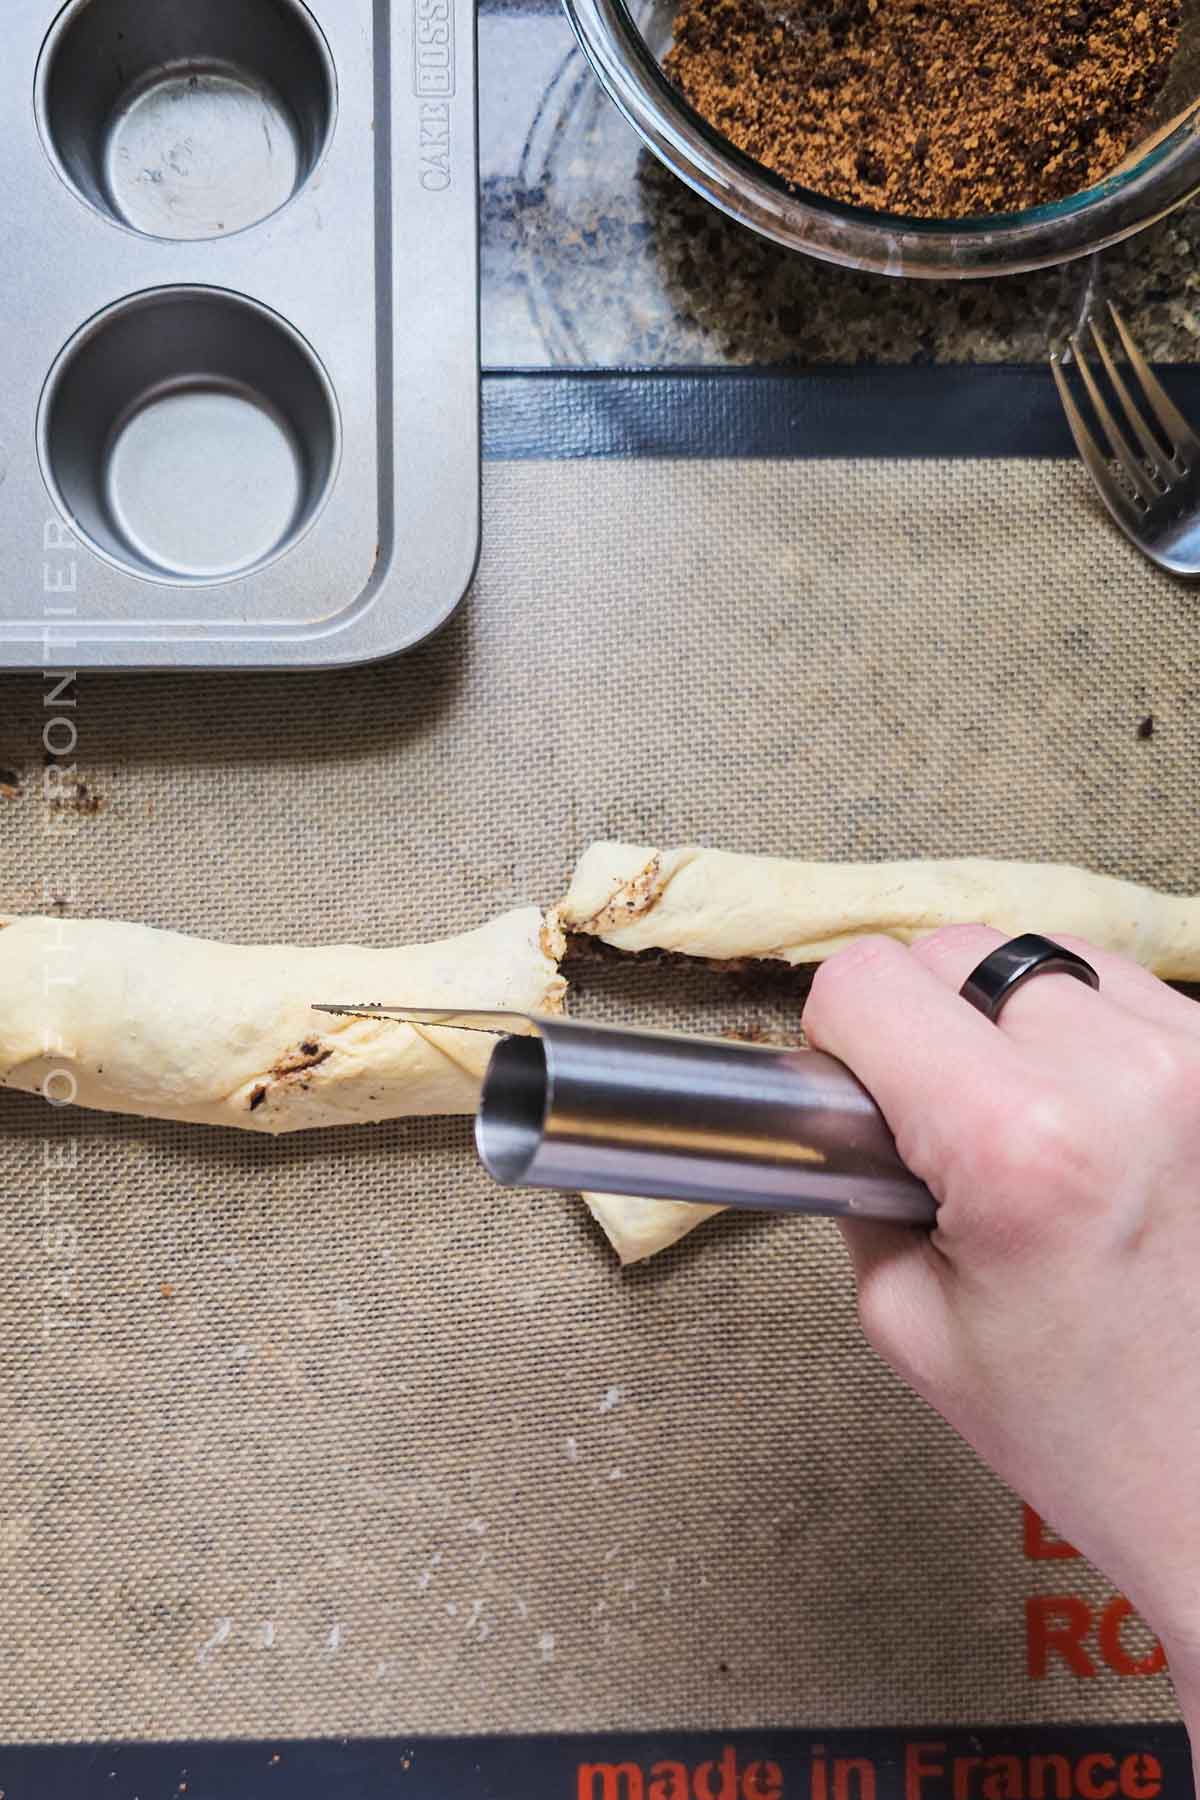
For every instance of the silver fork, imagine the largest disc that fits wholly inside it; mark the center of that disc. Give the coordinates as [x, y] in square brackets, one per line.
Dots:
[1153, 493]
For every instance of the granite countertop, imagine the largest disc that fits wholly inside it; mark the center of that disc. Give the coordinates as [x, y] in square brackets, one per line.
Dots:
[594, 255]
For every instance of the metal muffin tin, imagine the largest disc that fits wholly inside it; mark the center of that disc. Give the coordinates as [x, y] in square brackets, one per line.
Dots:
[239, 396]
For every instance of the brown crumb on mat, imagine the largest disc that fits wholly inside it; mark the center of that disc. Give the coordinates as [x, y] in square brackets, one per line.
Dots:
[934, 108]
[76, 797]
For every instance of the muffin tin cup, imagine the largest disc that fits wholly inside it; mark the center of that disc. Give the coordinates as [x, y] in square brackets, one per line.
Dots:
[241, 424]
[189, 434]
[185, 120]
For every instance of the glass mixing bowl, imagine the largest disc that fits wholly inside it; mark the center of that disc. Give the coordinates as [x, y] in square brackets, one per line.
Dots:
[626, 44]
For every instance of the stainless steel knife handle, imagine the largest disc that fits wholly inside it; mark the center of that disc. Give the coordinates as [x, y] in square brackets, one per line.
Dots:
[682, 1118]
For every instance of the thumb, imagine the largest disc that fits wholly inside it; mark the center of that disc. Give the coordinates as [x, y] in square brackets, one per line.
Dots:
[902, 1301]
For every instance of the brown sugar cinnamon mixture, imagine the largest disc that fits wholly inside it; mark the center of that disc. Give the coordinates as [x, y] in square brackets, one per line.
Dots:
[935, 108]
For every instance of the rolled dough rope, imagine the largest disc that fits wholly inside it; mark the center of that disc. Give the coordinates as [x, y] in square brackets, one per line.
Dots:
[143, 1021]
[724, 908]
[637, 1229]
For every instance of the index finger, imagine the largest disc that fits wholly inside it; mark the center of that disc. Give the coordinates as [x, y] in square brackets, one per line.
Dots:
[917, 1047]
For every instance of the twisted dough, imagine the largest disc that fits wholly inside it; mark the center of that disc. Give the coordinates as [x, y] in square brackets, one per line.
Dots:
[141, 1021]
[725, 908]
[132, 1020]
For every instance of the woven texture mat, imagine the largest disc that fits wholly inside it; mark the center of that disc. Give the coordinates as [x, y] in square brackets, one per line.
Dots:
[325, 1435]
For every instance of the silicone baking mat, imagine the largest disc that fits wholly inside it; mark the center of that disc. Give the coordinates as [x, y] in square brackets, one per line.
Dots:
[323, 1437]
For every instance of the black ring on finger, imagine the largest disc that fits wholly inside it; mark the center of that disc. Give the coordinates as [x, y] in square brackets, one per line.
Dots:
[1000, 974]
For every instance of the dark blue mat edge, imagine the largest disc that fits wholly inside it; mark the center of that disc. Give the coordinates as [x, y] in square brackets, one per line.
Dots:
[975, 410]
[1078, 1762]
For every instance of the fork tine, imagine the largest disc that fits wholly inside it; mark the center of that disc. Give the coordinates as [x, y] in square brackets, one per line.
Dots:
[1172, 421]
[1118, 442]
[1096, 463]
[1153, 451]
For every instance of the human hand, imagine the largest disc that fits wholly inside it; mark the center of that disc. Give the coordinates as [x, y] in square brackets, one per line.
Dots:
[1053, 1314]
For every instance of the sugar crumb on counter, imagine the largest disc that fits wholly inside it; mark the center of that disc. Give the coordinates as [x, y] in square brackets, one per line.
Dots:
[928, 107]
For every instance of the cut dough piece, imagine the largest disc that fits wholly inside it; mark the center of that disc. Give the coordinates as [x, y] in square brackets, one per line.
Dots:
[723, 907]
[637, 1229]
[142, 1021]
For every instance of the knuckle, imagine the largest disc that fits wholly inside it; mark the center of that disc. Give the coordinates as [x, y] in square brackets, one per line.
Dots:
[1169, 1067]
[862, 957]
[957, 944]
[1026, 1167]
[845, 972]
[921, 1142]
[952, 951]
[1047, 1142]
